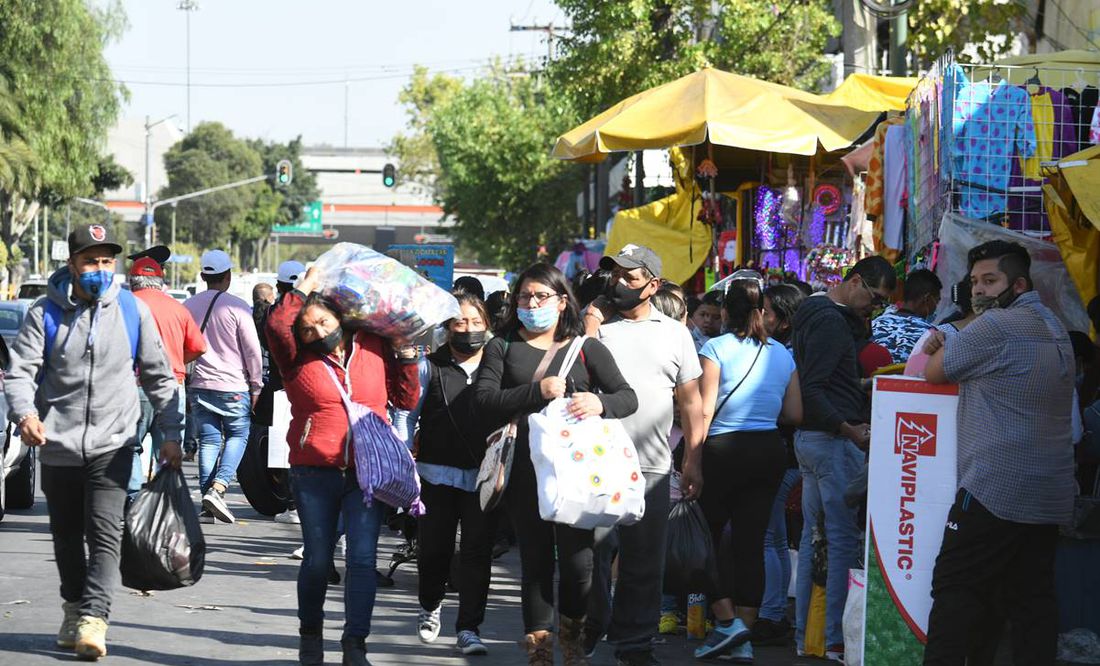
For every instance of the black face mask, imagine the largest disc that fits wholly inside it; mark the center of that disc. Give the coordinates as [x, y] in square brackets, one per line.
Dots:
[326, 345]
[469, 342]
[624, 298]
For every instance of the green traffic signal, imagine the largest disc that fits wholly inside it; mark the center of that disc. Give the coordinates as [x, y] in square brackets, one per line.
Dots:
[389, 175]
[284, 173]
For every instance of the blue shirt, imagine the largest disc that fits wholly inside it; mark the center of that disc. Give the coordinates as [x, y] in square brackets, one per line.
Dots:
[756, 405]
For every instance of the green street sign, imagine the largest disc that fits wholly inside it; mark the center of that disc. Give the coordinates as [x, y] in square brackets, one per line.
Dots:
[309, 225]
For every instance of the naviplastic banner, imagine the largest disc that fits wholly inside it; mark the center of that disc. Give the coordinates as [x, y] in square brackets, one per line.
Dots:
[911, 485]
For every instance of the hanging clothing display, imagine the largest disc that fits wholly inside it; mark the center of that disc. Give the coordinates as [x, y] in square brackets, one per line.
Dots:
[873, 197]
[894, 192]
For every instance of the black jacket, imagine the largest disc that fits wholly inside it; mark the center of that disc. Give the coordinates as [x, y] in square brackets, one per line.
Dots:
[450, 432]
[828, 365]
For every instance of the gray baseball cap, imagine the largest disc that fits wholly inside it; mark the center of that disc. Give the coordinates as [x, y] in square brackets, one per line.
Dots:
[634, 256]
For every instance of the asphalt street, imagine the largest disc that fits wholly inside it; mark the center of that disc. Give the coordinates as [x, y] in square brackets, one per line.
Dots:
[243, 611]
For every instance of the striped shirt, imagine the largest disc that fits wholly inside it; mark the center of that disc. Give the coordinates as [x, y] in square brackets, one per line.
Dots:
[1015, 370]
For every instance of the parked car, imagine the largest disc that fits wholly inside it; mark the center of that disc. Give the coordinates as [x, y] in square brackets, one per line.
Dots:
[18, 479]
[11, 318]
[32, 289]
[180, 295]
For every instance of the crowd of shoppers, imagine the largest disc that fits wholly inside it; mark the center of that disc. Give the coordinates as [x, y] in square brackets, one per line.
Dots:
[754, 392]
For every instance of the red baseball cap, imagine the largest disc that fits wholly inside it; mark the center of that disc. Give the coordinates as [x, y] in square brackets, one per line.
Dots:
[147, 266]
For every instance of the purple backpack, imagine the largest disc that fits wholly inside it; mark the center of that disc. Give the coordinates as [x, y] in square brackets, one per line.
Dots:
[383, 464]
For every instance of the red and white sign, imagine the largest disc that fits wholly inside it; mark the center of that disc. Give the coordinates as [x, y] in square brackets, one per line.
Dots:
[911, 486]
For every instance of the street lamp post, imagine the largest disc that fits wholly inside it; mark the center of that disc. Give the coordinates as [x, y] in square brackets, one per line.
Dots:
[146, 197]
[188, 6]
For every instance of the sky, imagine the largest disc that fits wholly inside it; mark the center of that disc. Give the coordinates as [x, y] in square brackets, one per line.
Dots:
[276, 69]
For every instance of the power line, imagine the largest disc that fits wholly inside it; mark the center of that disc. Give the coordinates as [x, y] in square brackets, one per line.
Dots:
[279, 84]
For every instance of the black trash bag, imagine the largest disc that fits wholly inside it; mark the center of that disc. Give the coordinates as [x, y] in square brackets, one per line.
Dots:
[690, 561]
[162, 546]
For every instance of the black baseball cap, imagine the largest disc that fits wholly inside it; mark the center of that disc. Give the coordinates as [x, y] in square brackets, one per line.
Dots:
[92, 235]
[634, 256]
[158, 253]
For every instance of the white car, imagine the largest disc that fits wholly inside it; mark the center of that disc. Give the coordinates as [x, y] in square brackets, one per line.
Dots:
[18, 480]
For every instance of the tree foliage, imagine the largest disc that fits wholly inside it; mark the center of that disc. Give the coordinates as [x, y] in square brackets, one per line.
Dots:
[978, 30]
[496, 176]
[414, 149]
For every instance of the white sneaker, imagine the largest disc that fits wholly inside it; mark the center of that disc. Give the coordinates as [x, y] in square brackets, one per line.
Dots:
[342, 544]
[299, 553]
[428, 624]
[214, 502]
[288, 517]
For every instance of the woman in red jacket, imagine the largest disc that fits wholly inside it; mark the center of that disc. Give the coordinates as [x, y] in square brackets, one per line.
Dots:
[313, 353]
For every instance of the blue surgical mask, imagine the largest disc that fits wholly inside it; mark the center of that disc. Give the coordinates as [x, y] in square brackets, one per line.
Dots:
[538, 320]
[96, 283]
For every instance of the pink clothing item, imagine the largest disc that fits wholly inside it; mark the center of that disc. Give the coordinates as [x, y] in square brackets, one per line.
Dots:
[233, 360]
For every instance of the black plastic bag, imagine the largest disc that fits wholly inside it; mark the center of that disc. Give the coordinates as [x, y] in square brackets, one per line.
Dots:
[690, 560]
[163, 547]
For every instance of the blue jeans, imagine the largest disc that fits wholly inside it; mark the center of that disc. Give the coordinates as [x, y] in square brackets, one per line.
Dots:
[147, 425]
[777, 559]
[324, 495]
[218, 414]
[828, 463]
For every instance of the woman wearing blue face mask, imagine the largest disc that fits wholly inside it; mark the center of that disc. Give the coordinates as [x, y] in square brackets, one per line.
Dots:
[543, 320]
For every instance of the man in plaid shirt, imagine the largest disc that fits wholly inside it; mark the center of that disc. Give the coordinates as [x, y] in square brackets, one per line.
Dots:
[1015, 370]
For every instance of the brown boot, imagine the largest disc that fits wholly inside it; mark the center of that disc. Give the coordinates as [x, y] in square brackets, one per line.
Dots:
[571, 636]
[540, 648]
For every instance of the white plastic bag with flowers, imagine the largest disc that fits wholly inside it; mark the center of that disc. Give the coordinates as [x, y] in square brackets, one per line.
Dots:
[587, 470]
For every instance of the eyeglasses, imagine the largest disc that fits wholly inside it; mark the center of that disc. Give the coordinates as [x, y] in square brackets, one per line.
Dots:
[877, 299]
[536, 299]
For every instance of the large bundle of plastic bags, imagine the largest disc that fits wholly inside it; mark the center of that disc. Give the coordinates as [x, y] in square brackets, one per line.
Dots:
[381, 294]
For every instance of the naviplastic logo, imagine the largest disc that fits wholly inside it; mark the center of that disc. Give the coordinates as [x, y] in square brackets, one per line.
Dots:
[915, 436]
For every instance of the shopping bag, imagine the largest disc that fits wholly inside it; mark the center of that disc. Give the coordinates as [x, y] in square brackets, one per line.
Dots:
[690, 559]
[813, 645]
[383, 464]
[853, 617]
[587, 470]
[381, 294]
[162, 546]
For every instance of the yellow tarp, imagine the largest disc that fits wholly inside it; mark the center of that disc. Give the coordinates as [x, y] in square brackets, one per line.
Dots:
[873, 93]
[665, 227]
[1073, 206]
[1057, 70]
[726, 109]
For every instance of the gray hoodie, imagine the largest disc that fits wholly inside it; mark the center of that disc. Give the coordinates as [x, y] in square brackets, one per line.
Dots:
[88, 398]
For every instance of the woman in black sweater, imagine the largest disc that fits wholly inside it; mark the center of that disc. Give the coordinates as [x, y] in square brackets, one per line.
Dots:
[451, 446]
[544, 313]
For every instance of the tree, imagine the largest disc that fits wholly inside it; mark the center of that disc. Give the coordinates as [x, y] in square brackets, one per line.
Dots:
[51, 52]
[496, 176]
[977, 30]
[209, 156]
[414, 150]
[617, 49]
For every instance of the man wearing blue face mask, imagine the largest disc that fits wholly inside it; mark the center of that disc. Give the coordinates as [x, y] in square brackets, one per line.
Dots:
[72, 391]
[900, 326]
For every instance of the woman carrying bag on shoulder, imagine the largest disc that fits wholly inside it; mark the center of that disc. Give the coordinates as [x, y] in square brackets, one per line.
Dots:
[451, 446]
[517, 378]
[322, 365]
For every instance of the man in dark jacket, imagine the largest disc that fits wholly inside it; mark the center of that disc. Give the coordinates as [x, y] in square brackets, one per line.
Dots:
[834, 429]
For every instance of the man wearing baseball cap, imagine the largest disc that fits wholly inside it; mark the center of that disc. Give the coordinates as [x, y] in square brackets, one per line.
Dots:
[657, 357]
[71, 390]
[224, 384]
[182, 341]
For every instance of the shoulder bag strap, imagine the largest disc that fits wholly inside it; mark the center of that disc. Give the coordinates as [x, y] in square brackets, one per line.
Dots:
[540, 371]
[734, 389]
[209, 309]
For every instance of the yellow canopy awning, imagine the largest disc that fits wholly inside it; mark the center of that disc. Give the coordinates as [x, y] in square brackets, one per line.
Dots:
[1063, 69]
[1073, 207]
[665, 227]
[873, 93]
[726, 109]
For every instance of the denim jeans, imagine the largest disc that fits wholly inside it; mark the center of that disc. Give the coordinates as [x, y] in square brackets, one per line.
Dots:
[777, 559]
[828, 463]
[147, 424]
[324, 495]
[219, 414]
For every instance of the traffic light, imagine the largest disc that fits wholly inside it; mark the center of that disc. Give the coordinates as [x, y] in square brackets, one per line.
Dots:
[389, 175]
[284, 173]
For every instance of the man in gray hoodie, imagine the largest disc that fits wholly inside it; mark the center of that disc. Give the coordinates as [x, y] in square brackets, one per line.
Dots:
[78, 401]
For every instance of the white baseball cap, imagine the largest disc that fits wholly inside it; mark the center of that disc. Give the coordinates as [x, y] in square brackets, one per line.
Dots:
[215, 262]
[290, 271]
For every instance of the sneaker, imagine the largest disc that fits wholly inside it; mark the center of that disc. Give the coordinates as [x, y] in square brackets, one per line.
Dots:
[189, 456]
[669, 624]
[207, 518]
[835, 653]
[214, 502]
[298, 553]
[742, 654]
[470, 643]
[591, 638]
[66, 635]
[427, 625]
[91, 637]
[288, 517]
[770, 632]
[723, 638]
[637, 658]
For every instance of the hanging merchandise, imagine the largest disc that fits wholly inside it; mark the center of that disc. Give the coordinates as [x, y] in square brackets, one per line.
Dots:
[827, 198]
[825, 263]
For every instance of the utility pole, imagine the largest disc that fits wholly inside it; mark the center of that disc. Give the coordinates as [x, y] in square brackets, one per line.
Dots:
[188, 6]
[146, 196]
[548, 29]
[347, 86]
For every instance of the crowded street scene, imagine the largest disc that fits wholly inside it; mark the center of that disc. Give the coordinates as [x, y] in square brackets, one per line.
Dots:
[575, 332]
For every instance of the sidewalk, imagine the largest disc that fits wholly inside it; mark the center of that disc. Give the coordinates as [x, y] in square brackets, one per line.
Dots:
[243, 611]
